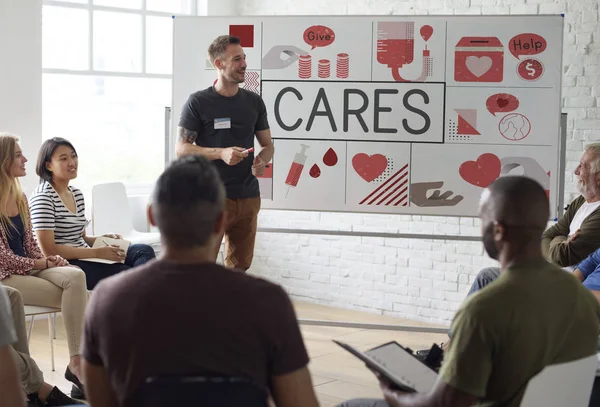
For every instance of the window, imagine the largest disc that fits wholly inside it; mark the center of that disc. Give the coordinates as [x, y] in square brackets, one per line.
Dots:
[107, 68]
[65, 45]
[159, 44]
[115, 123]
[117, 39]
[169, 6]
[135, 4]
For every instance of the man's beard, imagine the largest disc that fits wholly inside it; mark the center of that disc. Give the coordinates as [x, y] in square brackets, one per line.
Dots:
[488, 242]
[586, 189]
[233, 79]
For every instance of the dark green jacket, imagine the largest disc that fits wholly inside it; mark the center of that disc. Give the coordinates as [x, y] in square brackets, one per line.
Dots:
[555, 247]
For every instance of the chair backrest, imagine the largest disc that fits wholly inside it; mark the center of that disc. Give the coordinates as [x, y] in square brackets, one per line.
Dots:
[111, 212]
[565, 384]
[200, 391]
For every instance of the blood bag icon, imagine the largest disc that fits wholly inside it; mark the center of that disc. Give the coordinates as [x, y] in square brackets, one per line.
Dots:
[396, 48]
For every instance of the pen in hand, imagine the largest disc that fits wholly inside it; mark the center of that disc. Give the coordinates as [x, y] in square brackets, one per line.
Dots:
[109, 245]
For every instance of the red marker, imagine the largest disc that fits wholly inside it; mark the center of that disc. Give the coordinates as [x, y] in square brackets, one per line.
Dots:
[250, 150]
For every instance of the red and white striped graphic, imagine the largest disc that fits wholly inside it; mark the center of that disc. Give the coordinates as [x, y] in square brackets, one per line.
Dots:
[324, 68]
[305, 66]
[343, 66]
[251, 81]
[394, 191]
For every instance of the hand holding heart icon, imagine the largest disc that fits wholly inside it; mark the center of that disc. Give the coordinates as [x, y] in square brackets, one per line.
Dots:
[419, 195]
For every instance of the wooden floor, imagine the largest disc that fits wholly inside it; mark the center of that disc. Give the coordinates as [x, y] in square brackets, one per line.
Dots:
[337, 375]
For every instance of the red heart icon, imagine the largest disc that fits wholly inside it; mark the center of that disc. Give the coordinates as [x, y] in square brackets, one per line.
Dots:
[482, 172]
[502, 102]
[369, 167]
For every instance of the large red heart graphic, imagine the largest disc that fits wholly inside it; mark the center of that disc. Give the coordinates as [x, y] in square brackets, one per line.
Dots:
[482, 172]
[369, 167]
[502, 102]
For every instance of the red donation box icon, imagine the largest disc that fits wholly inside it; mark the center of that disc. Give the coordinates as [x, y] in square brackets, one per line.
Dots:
[479, 59]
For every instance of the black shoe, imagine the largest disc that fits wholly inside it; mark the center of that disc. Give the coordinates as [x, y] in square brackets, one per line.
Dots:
[58, 398]
[421, 355]
[77, 391]
[33, 400]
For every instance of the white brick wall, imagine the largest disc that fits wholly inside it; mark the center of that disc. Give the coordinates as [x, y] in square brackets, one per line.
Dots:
[417, 279]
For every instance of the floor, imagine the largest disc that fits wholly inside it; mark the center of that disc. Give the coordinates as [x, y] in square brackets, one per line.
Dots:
[337, 375]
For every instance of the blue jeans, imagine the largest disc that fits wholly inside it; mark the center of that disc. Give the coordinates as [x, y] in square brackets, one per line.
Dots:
[484, 277]
[137, 254]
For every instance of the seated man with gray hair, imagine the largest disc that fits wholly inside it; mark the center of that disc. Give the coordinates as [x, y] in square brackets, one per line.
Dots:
[576, 235]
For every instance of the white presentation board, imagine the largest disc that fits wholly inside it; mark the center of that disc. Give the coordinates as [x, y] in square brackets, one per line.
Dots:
[392, 114]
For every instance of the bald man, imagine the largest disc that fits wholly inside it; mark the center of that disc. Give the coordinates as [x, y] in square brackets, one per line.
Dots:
[535, 314]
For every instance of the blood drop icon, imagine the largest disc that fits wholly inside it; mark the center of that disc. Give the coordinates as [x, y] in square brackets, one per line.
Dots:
[315, 171]
[330, 158]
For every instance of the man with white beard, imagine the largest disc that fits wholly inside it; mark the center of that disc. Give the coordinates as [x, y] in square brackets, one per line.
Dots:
[576, 235]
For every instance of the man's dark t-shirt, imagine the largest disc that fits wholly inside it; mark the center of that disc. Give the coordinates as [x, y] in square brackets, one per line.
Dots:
[165, 318]
[247, 114]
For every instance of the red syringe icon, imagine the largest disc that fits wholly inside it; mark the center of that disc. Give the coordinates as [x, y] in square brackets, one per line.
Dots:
[296, 169]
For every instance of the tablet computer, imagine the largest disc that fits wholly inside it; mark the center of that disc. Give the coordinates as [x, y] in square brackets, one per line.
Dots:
[378, 367]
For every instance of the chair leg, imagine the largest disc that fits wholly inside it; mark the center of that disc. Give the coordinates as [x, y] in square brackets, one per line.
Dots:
[30, 328]
[54, 324]
[51, 336]
[222, 254]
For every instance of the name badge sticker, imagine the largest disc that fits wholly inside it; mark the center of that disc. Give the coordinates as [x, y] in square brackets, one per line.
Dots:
[223, 123]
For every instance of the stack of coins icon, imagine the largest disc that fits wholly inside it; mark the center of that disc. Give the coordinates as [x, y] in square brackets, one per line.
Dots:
[343, 66]
[324, 70]
[304, 66]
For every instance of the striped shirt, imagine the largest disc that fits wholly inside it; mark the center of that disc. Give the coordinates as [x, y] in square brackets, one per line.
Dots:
[48, 212]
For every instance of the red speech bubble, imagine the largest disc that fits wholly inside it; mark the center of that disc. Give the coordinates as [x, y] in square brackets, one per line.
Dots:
[527, 44]
[319, 36]
[502, 102]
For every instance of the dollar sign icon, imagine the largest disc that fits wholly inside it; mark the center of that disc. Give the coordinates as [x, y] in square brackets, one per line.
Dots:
[530, 69]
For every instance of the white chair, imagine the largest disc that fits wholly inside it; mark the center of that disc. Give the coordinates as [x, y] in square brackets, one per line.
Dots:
[566, 384]
[111, 213]
[32, 311]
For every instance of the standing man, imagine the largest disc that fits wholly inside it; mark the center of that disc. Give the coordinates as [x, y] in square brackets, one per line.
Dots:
[220, 123]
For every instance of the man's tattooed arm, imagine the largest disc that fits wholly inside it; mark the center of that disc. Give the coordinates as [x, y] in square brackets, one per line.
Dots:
[186, 146]
[187, 136]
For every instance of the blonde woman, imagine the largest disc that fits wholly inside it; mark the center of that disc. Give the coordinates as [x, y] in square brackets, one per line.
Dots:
[46, 281]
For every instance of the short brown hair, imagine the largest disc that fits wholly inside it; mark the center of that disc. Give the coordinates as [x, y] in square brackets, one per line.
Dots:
[220, 44]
